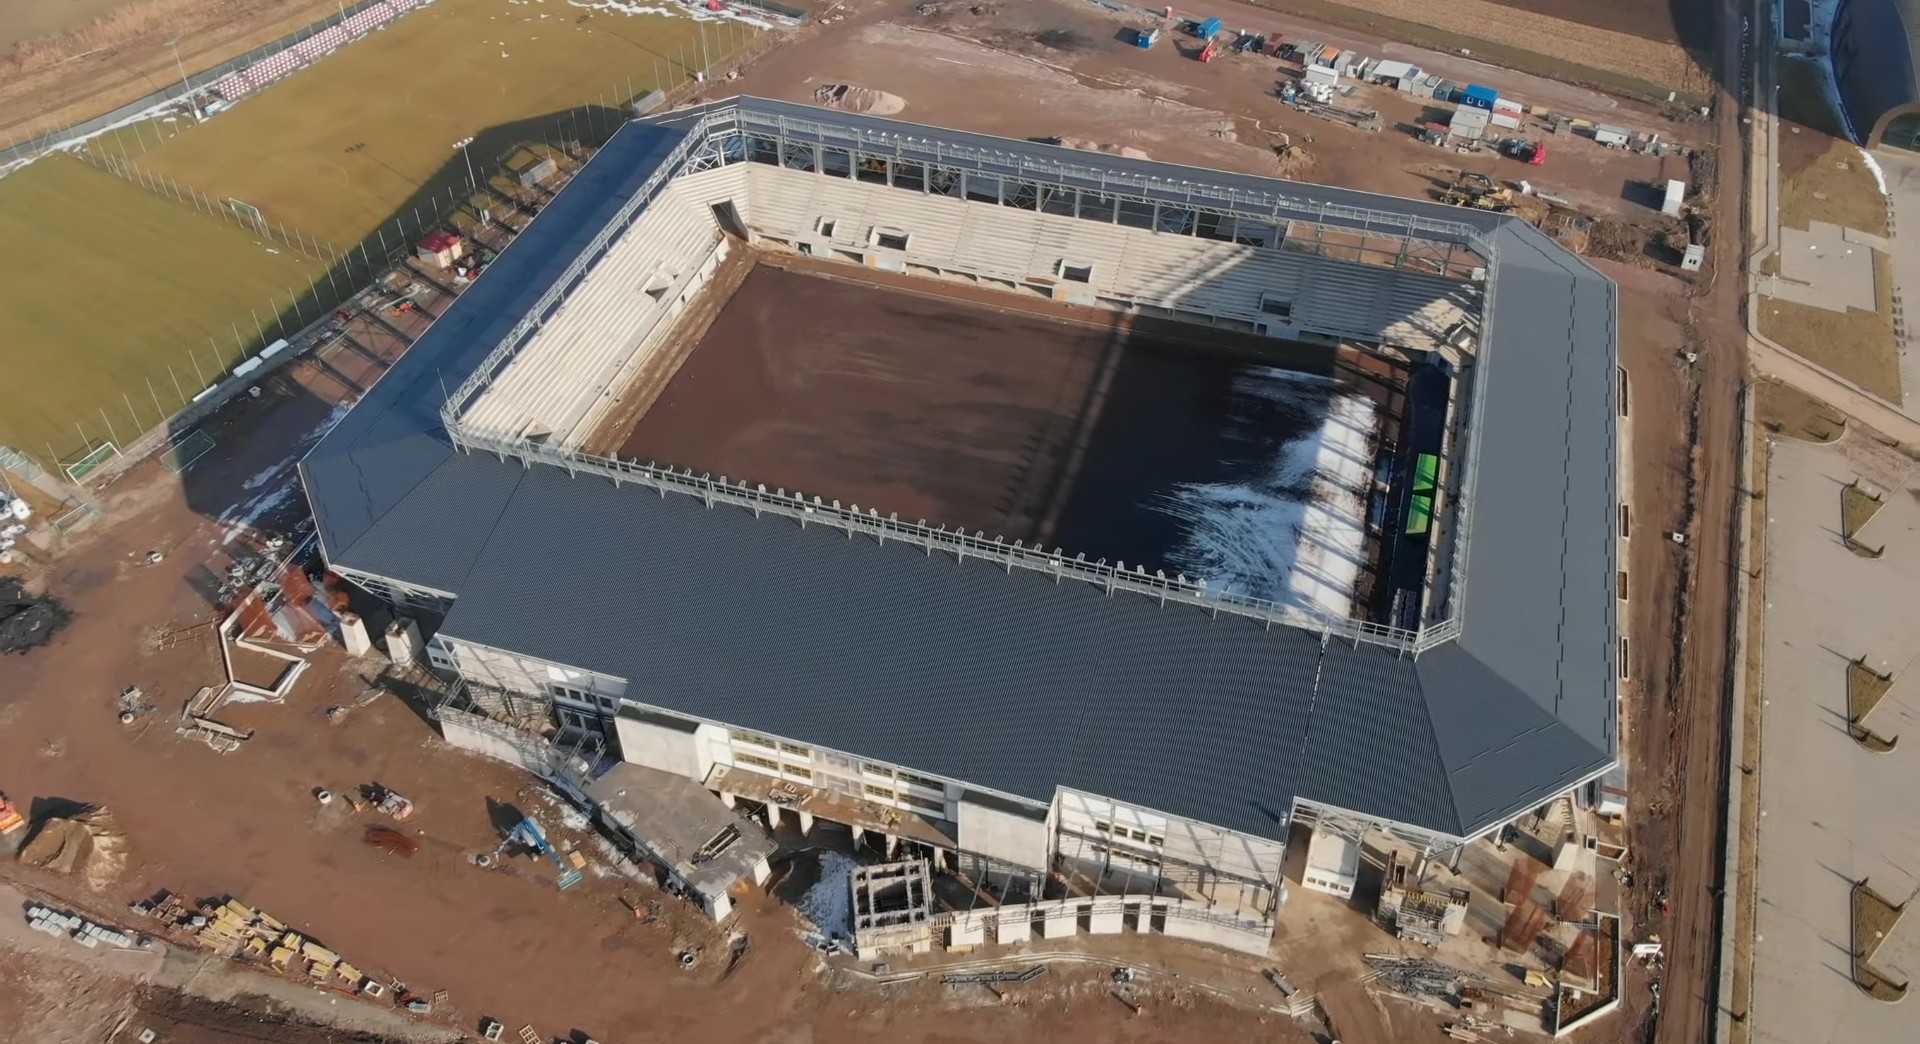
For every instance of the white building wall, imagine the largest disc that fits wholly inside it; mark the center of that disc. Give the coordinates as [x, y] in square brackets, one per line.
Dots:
[505, 670]
[1131, 829]
[659, 746]
[1122, 266]
[997, 834]
[529, 752]
[564, 378]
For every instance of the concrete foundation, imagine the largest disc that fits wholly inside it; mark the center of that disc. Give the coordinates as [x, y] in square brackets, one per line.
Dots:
[353, 635]
[403, 641]
[1106, 918]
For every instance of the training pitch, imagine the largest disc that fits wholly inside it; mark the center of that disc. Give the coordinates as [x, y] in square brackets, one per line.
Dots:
[337, 150]
[104, 286]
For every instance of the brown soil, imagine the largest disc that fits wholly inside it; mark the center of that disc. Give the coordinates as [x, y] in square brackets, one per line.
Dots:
[1822, 174]
[1857, 507]
[1647, 19]
[1788, 411]
[1865, 687]
[1855, 344]
[175, 1016]
[956, 411]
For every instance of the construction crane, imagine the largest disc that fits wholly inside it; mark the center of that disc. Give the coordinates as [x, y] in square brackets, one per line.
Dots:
[528, 833]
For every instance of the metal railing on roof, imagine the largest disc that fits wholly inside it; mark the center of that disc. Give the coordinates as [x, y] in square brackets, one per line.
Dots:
[497, 359]
[702, 145]
[854, 521]
[1253, 204]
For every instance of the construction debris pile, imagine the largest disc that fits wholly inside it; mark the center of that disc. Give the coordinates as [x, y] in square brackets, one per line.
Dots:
[27, 621]
[87, 844]
[237, 931]
[1416, 977]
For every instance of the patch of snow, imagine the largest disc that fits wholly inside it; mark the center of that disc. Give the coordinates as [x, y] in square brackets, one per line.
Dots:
[1293, 533]
[828, 905]
[280, 476]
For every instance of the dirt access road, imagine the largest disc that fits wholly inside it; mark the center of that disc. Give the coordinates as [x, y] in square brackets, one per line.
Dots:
[1692, 748]
[504, 944]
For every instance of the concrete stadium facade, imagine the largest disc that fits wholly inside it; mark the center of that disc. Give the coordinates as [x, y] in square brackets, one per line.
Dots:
[1004, 709]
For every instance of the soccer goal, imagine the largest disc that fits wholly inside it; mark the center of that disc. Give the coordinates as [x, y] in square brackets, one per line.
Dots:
[185, 449]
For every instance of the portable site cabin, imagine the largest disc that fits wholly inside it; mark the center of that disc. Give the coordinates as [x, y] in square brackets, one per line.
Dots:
[441, 249]
[1612, 137]
[1333, 864]
[1478, 97]
[1676, 195]
[1392, 73]
[1322, 75]
[1469, 124]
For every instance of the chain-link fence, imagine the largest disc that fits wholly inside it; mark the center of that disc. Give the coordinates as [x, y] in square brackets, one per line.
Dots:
[491, 203]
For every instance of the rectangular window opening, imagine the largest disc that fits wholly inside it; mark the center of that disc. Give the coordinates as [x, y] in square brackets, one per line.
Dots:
[1626, 520]
[1077, 273]
[890, 238]
[826, 226]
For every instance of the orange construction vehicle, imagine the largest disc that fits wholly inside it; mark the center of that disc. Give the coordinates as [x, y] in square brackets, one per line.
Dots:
[10, 817]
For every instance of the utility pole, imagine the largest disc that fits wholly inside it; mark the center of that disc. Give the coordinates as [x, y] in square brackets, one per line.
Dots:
[472, 182]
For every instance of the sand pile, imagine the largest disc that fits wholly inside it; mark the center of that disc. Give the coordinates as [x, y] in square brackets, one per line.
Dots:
[849, 98]
[86, 844]
[1105, 147]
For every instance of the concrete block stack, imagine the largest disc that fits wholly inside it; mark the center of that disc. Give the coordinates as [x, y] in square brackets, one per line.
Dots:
[59, 924]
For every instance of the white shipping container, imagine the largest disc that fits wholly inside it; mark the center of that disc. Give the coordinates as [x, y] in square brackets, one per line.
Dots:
[1507, 120]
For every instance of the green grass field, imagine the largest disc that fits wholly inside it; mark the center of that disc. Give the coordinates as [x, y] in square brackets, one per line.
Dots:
[336, 150]
[103, 285]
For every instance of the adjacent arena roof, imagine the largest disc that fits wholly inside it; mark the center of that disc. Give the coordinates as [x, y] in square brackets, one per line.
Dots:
[1008, 679]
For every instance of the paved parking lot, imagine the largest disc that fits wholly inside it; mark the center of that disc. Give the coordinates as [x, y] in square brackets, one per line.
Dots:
[1832, 811]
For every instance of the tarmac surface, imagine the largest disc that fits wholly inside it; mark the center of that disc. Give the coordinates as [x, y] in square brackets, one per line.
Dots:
[1830, 806]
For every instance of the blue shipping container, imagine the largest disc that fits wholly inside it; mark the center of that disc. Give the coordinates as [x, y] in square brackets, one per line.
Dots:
[1479, 97]
[1211, 28]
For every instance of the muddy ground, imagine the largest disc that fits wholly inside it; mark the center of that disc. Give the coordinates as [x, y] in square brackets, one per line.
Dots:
[508, 945]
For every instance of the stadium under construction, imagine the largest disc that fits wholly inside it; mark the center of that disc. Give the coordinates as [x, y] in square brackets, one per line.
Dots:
[1046, 511]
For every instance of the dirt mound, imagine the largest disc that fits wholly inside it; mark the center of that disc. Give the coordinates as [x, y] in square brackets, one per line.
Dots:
[1104, 147]
[849, 98]
[86, 844]
[27, 621]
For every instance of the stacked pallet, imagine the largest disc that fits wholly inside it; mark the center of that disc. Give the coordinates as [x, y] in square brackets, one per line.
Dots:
[237, 930]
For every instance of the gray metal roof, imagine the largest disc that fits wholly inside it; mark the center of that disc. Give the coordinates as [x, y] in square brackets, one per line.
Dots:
[1012, 681]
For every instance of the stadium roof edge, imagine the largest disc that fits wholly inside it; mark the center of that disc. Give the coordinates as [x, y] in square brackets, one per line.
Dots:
[1519, 707]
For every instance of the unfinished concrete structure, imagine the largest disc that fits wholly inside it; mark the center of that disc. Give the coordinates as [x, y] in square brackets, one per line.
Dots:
[892, 909]
[673, 822]
[1010, 711]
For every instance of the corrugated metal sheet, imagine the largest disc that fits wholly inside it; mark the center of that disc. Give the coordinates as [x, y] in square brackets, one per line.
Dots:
[1010, 681]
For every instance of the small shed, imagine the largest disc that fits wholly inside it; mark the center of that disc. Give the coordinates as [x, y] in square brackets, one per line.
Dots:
[538, 172]
[1323, 75]
[1468, 124]
[1612, 137]
[1392, 73]
[441, 249]
[1333, 864]
[1478, 97]
[1676, 195]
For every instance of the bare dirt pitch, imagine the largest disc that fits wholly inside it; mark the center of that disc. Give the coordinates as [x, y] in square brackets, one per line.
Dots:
[1068, 427]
